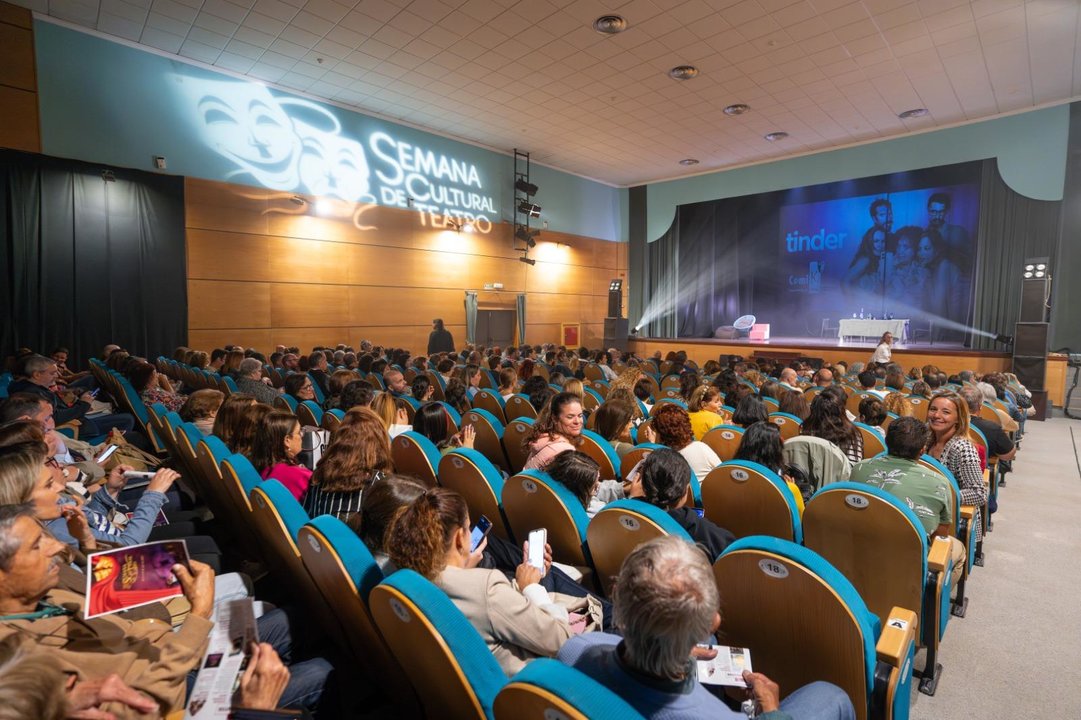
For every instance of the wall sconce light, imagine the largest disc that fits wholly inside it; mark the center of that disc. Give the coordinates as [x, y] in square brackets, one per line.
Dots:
[460, 226]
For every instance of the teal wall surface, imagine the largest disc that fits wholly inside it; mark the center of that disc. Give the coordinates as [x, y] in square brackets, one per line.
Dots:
[106, 102]
[1030, 147]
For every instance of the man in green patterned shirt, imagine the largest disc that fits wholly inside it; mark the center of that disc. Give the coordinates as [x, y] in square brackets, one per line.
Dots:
[926, 492]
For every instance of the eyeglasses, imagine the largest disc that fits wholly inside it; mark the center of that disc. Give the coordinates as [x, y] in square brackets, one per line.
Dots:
[51, 462]
[306, 386]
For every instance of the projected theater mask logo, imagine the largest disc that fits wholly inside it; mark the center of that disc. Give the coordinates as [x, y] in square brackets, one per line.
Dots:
[293, 145]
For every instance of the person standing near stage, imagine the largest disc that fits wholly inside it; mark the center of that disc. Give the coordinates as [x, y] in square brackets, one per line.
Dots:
[883, 353]
[440, 339]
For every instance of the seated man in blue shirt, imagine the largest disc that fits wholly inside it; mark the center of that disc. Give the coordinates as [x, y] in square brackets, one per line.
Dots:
[665, 602]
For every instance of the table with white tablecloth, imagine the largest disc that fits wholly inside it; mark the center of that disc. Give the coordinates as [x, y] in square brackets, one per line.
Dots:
[856, 327]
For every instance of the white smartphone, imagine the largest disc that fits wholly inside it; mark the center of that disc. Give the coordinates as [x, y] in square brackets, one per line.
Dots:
[537, 540]
[105, 454]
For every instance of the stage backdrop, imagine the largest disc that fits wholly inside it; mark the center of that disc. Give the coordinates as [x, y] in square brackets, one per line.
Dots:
[906, 245]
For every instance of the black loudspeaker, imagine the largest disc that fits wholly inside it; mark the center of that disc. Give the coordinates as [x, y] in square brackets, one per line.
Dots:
[1030, 353]
[615, 304]
[1030, 371]
[1034, 294]
[1030, 339]
[616, 330]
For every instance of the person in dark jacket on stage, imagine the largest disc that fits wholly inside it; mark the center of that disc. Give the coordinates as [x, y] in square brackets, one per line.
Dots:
[440, 340]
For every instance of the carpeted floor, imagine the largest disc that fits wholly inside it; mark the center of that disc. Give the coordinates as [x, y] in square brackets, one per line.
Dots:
[1017, 651]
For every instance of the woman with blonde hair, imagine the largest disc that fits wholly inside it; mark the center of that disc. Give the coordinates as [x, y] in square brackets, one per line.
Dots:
[393, 412]
[508, 382]
[900, 405]
[948, 418]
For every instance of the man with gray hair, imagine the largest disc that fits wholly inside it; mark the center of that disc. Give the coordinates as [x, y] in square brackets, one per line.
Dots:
[250, 380]
[665, 601]
[37, 375]
[998, 442]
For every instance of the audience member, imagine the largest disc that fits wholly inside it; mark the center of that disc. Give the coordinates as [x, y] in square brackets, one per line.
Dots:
[613, 421]
[229, 416]
[37, 375]
[557, 428]
[356, 393]
[378, 507]
[705, 410]
[274, 452]
[948, 419]
[664, 480]
[250, 380]
[873, 414]
[394, 412]
[828, 421]
[672, 426]
[749, 411]
[580, 474]
[201, 409]
[998, 442]
[761, 443]
[925, 491]
[432, 422]
[518, 622]
[357, 456]
[299, 386]
[665, 603]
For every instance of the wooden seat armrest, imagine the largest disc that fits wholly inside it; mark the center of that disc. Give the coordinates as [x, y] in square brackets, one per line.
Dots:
[968, 512]
[898, 636]
[938, 556]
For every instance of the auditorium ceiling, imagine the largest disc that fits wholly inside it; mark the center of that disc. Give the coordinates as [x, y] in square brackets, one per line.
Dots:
[536, 75]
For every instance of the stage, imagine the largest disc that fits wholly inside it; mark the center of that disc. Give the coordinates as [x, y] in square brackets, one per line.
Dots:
[950, 359]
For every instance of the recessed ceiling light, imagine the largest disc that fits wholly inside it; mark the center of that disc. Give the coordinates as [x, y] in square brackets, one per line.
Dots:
[775, 136]
[609, 24]
[913, 113]
[688, 161]
[683, 72]
[737, 109]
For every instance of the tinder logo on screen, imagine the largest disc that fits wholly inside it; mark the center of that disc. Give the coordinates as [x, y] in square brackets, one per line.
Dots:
[821, 240]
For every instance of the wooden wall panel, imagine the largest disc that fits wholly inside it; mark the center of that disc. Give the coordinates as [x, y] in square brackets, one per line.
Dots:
[215, 255]
[305, 261]
[299, 305]
[210, 339]
[223, 304]
[377, 305]
[18, 70]
[19, 118]
[322, 280]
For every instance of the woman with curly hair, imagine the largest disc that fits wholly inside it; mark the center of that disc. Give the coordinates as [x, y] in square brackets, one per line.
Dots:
[898, 404]
[359, 454]
[829, 422]
[672, 425]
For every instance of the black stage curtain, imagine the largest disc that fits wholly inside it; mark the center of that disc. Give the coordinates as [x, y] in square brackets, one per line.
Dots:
[89, 262]
[1012, 227]
[722, 256]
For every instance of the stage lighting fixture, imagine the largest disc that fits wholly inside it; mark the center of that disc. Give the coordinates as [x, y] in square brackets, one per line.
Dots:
[525, 186]
[530, 209]
[526, 235]
[615, 286]
[1036, 267]
[1004, 339]
[527, 261]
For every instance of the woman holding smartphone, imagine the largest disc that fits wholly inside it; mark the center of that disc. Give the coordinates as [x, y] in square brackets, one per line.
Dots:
[519, 622]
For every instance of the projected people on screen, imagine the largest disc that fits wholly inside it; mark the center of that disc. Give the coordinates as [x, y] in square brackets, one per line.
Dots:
[906, 277]
[866, 272]
[908, 254]
[947, 290]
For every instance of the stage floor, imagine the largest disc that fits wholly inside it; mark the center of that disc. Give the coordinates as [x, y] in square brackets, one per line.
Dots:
[831, 343]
